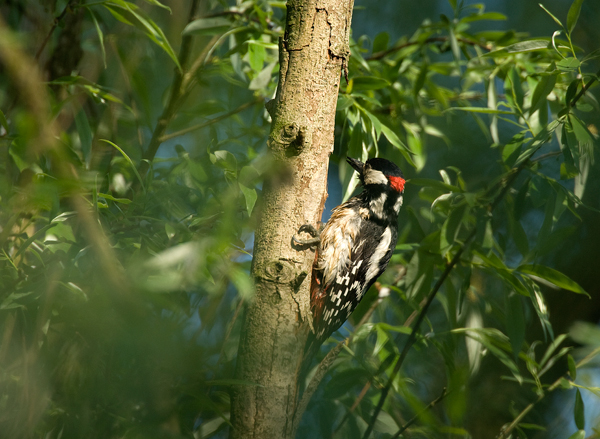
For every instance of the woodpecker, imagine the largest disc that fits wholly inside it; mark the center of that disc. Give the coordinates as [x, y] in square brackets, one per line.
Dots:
[354, 247]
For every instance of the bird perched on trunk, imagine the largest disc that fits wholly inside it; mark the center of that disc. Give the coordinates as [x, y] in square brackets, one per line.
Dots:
[354, 247]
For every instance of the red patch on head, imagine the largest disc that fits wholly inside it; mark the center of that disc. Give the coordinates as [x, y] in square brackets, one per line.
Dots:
[397, 183]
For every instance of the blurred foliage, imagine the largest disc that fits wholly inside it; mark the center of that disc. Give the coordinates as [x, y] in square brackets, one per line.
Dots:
[132, 153]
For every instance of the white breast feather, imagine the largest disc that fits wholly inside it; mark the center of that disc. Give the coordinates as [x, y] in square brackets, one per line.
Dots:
[377, 205]
[398, 204]
[382, 248]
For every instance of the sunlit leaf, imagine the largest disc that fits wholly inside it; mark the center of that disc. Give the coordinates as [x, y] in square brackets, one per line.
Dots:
[521, 47]
[551, 275]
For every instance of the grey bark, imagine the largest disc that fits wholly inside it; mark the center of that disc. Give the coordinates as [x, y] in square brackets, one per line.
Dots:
[313, 54]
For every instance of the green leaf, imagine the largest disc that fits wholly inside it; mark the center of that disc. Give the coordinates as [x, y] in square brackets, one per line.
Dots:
[159, 4]
[256, 56]
[100, 36]
[585, 333]
[36, 235]
[381, 41]
[483, 110]
[85, 136]
[573, 15]
[553, 17]
[572, 367]
[496, 16]
[393, 138]
[369, 83]
[207, 26]
[579, 411]
[512, 150]
[451, 228]
[521, 47]
[250, 196]
[543, 88]
[578, 435]
[116, 200]
[569, 63]
[553, 276]
[582, 134]
[137, 174]
[145, 24]
[514, 90]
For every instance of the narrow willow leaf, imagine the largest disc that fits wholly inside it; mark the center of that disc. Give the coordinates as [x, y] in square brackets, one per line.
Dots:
[159, 4]
[521, 47]
[551, 15]
[537, 300]
[480, 110]
[116, 200]
[207, 26]
[369, 83]
[33, 237]
[542, 90]
[572, 367]
[100, 36]
[496, 16]
[553, 276]
[85, 136]
[124, 154]
[579, 411]
[573, 15]
[145, 24]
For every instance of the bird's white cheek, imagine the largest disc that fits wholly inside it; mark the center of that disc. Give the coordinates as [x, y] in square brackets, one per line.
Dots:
[375, 177]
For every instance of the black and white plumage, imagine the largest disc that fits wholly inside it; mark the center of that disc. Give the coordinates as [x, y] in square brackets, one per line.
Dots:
[355, 246]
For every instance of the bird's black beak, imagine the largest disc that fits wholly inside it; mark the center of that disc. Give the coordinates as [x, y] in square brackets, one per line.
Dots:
[356, 164]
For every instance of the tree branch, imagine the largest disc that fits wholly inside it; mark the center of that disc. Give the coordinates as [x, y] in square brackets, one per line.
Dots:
[209, 122]
[414, 418]
[584, 89]
[175, 95]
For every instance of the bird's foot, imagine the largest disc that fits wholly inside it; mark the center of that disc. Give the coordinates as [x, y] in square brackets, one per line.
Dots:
[310, 242]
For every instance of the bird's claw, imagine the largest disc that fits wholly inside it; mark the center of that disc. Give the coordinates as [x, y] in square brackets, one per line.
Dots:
[310, 229]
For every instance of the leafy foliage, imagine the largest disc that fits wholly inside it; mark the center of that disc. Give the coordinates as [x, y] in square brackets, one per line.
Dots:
[130, 183]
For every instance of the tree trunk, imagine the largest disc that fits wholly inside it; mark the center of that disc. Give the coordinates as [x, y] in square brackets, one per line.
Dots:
[313, 53]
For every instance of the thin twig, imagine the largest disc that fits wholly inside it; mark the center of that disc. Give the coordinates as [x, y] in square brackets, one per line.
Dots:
[383, 53]
[415, 417]
[209, 122]
[584, 89]
[57, 20]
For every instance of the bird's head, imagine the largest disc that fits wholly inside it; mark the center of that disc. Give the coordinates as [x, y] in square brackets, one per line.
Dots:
[378, 171]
